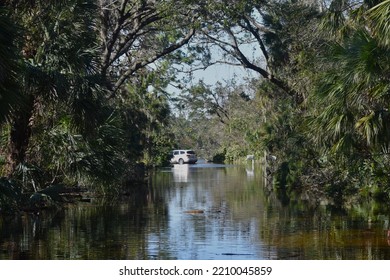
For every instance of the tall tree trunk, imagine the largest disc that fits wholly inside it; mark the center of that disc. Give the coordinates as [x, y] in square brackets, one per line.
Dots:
[19, 137]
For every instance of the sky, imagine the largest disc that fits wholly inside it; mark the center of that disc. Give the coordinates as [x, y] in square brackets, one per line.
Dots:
[220, 73]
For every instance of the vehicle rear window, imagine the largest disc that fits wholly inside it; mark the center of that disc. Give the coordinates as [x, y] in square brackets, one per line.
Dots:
[191, 152]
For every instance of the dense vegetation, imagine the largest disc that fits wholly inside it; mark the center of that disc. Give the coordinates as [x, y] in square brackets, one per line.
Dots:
[319, 110]
[90, 90]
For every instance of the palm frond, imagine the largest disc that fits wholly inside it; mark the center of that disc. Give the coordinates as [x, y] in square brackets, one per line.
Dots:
[370, 127]
[380, 16]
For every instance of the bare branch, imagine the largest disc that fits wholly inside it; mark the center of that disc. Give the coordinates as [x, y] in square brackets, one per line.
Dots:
[255, 31]
[138, 64]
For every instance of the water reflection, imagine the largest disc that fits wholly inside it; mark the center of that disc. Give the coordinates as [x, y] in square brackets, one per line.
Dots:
[250, 169]
[180, 173]
[202, 224]
[200, 211]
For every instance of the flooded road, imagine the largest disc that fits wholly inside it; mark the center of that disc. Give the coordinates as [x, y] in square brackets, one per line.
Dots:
[202, 211]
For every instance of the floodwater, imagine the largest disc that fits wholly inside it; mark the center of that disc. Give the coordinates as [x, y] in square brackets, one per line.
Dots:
[199, 212]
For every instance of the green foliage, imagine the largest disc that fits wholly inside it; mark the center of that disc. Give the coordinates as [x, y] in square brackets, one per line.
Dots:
[219, 157]
[9, 66]
[334, 143]
[379, 16]
[74, 134]
[216, 121]
[147, 115]
[83, 91]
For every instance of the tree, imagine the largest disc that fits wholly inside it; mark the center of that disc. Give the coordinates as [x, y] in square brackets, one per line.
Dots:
[135, 34]
[379, 16]
[146, 109]
[349, 120]
[58, 65]
[61, 46]
[217, 120]
[248, 35]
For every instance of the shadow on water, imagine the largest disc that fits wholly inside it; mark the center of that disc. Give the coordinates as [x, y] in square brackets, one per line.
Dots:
[201, 211]
[100, 229]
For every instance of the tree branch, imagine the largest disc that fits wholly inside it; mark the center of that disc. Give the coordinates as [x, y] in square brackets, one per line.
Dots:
[255, 31]
[142, 63]
[247, 64]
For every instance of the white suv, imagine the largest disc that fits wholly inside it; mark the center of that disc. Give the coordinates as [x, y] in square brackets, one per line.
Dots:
[183, 156]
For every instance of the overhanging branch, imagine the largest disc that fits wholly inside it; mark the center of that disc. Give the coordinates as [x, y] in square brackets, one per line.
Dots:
[143, 63]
